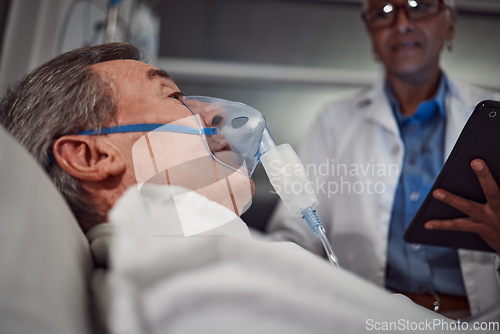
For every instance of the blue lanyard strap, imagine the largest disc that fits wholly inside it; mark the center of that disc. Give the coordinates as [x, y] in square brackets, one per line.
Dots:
[145, 127]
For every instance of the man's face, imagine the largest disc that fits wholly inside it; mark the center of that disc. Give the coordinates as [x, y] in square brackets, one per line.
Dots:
[144, 94]
[410, 47]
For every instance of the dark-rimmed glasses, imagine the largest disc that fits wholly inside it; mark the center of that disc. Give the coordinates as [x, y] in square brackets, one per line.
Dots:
[384, 14]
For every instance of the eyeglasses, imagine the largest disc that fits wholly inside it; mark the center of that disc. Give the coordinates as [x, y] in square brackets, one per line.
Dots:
[384, 14]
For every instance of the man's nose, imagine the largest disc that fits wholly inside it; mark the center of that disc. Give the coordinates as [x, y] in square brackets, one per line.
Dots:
[218, 142]
[216, 118]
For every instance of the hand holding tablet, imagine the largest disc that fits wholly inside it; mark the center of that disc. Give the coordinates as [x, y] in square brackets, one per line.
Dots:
[462, 210]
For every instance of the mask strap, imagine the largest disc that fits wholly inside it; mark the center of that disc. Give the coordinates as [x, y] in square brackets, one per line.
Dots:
[145, 127]
[149, 127]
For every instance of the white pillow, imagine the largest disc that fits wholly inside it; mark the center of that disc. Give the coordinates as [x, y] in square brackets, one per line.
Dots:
[44, 257]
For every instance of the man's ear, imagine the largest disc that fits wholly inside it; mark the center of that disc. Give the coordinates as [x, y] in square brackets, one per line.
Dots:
[88, 158]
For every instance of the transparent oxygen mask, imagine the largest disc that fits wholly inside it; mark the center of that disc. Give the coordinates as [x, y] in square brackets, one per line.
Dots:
[241, 129]
[245, 131]
[214, 152]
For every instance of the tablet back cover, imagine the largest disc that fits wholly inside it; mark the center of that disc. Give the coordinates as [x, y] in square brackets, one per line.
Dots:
[480, 138]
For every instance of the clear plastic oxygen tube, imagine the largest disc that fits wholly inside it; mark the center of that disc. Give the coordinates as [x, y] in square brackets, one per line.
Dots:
[309, 215]
[289, 179]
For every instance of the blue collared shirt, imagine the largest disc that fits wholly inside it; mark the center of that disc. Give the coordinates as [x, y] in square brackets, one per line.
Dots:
[415, 268]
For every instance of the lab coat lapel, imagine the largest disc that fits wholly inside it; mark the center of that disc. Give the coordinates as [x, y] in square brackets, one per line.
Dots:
[378, 109]
[457, 114]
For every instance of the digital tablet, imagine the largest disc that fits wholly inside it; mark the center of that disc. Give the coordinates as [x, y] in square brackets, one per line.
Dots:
[480, 138]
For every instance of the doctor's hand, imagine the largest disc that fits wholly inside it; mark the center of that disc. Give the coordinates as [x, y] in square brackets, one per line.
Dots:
[483, 219]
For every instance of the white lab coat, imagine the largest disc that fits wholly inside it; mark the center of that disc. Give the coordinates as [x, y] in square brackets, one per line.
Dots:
[359, 137]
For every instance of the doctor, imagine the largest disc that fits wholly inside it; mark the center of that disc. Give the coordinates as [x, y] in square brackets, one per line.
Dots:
[373, 158]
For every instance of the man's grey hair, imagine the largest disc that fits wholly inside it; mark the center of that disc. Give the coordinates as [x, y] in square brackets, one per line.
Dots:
[61, 97]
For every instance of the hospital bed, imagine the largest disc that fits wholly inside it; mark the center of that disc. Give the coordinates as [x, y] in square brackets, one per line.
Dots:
[45, 260]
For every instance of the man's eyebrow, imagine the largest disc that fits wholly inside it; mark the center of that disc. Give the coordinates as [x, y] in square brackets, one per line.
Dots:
[158, 73]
